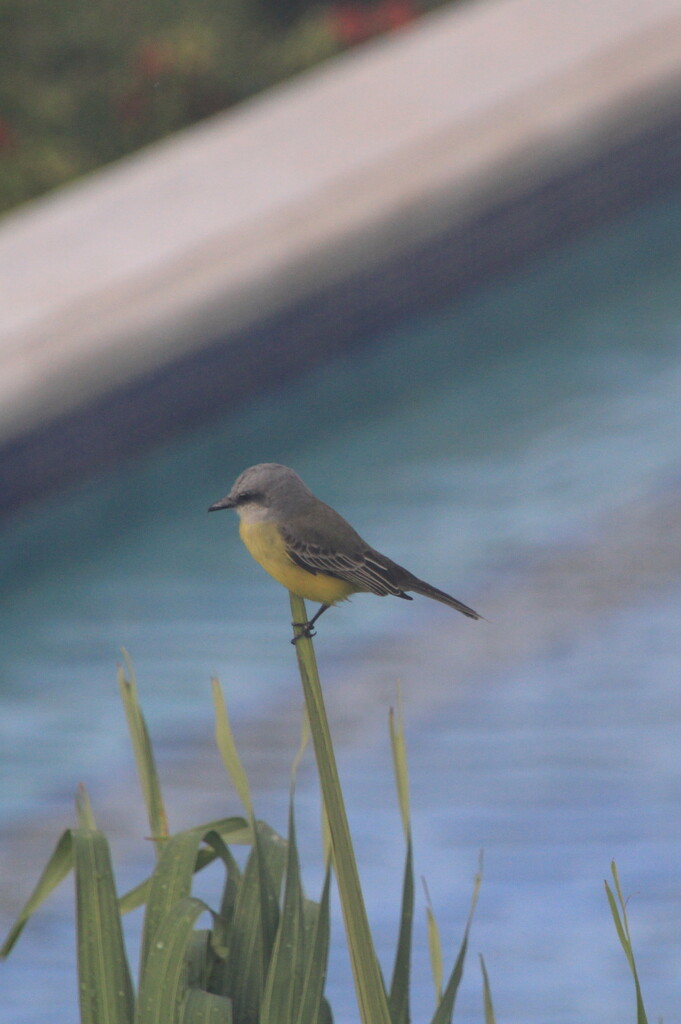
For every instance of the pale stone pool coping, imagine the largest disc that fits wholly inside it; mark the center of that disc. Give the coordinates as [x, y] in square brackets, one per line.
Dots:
[227, 258]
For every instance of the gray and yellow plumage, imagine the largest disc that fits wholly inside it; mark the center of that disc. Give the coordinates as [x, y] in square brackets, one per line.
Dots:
[309, 548]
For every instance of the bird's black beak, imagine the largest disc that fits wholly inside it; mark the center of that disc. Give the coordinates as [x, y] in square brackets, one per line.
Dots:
[223, 503]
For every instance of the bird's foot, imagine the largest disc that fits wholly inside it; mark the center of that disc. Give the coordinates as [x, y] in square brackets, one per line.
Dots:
[306, 629]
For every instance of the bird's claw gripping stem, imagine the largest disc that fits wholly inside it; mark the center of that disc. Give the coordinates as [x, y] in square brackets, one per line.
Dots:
[306, 629]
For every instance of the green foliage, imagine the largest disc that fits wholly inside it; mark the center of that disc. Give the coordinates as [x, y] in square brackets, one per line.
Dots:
[375, 1004]
[618, 908]
[144, 755]
[257, 961]
[369, 986]
[105, 983]
[260, 955]
[398, 997]
[55, 871]
[486, 994]
[82, 84]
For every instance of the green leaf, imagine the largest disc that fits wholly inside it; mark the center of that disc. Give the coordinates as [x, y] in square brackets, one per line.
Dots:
[56, 869]
[205, 1008]
[223, 923]
[255, 921]
[434, 946]
[218, 967]
[170, 882]
[445, 1010]
[237, 830]
[285, 974]
[199, 957]
[399, 751]
[213, 838]
[302, 746]
[105, 987]
[619, 916]
[269, 853]
[164, 980]
[313, 1008]
[144, 756]
[136, 897]
[399, 985]
[84, 812]
[486, 994]
[369, 986]
[172, 879]
[227, 747]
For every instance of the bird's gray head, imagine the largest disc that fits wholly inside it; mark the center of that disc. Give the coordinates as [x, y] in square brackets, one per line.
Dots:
[262, 491]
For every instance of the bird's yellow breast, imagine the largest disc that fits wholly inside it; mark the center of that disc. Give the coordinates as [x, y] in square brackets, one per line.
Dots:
[264, 542]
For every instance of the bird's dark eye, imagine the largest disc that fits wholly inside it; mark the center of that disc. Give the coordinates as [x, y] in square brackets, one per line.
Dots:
[246, 496]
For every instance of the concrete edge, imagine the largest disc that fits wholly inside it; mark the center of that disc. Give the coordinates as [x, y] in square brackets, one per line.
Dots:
[122, 365]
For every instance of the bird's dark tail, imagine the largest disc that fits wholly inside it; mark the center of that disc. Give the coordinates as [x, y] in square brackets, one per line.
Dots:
[421, 587]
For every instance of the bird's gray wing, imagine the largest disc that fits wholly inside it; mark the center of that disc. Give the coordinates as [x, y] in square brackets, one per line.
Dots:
[359, 565]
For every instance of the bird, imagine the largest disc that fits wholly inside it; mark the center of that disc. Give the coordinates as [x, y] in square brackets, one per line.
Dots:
[310, 549]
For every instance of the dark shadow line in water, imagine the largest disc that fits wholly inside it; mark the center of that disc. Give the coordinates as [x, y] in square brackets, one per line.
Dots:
[229, 371]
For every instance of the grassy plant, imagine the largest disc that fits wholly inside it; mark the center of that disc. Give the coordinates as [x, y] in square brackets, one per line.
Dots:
[260, 955]
[486, 994]
[263, 956]
[258, 960]
[618, 908]
[371, 995]
[376, 1004]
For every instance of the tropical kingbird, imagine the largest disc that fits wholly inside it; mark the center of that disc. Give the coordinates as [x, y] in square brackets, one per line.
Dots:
[309, 548]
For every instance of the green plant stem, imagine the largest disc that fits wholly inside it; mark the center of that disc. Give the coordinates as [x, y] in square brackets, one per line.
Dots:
[371, 996]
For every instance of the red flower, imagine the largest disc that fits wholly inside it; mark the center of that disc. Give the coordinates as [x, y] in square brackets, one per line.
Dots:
[349, 24]
[396, 13]
[154, 59]
[353, 23]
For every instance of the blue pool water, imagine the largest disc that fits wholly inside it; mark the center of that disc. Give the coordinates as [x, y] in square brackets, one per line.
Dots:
[522, 450]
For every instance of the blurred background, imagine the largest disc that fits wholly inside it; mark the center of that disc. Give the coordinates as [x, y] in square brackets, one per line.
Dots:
[82, 84]
[439, 275]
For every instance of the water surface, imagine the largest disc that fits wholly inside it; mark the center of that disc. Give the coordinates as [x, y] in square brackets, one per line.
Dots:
[522, 450]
